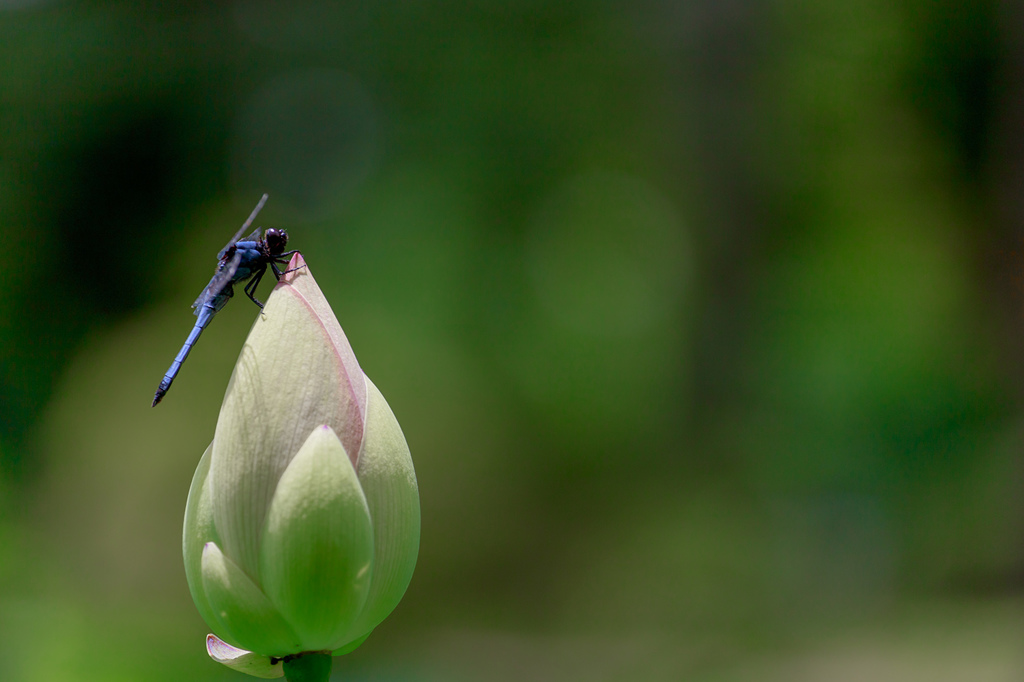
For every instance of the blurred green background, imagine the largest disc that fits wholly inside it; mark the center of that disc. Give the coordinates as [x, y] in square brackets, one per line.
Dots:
[704, 321]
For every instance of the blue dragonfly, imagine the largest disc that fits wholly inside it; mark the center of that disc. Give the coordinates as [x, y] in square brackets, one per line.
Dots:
[238, 261]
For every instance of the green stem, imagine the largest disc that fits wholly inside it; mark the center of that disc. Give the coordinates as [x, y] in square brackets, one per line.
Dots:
[314, 666]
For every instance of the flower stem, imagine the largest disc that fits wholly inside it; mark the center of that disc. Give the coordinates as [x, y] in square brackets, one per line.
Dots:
[310, 667]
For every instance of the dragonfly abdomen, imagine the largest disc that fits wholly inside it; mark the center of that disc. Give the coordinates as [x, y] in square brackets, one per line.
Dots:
[205, 314]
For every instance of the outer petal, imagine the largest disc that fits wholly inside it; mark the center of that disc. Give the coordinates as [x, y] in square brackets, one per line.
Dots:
[351, 646]
[300, 281]
[317, 549]
[295, 372]
[241, 660]
[199, 530]
[389, 482]
[246, 617]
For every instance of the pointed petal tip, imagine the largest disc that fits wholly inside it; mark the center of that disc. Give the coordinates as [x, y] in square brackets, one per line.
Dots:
[296, 266]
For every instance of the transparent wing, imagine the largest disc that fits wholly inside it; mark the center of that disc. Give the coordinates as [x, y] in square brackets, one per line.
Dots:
[245, 226]
[220, 280]
[226, 269]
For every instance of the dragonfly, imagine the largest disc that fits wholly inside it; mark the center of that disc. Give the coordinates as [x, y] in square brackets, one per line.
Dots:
[238, 261]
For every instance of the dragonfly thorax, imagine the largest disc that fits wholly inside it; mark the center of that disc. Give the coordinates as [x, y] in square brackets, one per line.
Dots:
[276, 240]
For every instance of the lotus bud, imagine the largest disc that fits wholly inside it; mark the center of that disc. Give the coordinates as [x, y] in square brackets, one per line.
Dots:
[302, 523]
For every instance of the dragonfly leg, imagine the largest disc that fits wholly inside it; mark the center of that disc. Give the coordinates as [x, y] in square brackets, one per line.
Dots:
[250, 288]
[278, 273]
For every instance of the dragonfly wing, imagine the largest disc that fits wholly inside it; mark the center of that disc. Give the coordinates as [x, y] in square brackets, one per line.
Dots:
[245, 226]
[220, 280]
[227, 269]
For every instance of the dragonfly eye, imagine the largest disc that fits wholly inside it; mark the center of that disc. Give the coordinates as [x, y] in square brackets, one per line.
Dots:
[276, 240]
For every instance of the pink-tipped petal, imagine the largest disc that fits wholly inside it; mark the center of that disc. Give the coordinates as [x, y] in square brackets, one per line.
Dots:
[243, 661]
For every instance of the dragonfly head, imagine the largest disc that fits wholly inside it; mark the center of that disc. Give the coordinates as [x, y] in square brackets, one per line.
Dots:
[276, 240]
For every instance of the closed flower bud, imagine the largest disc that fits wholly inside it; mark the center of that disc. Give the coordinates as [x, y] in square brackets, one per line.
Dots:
[302, 523]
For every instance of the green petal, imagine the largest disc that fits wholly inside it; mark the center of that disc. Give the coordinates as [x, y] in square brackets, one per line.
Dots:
[198, 530]
[304, 287]
[241, 660]
[317, 550]
[351, 646]
[389, 482]
[246, 617]
[296, 372]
